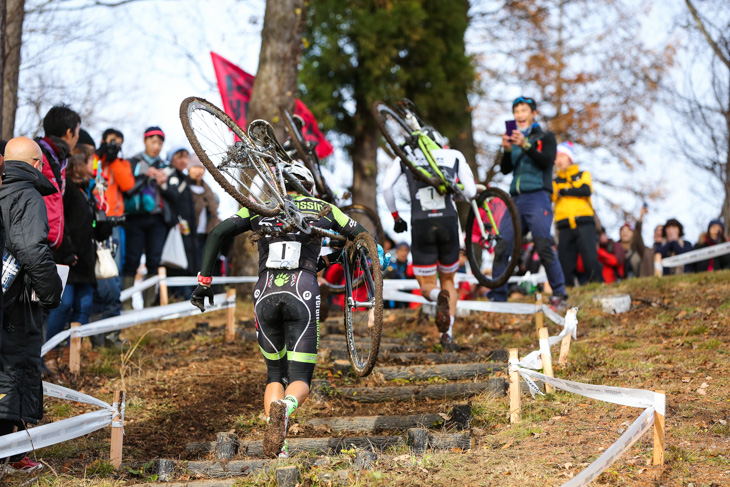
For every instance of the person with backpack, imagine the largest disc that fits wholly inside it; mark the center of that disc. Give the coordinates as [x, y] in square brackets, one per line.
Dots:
[61, 126]
[148, 215]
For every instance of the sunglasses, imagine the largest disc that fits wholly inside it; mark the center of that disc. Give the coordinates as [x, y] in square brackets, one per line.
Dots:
[522, 99]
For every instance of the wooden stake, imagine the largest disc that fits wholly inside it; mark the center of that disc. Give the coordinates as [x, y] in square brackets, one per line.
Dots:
[564, 349]
[515, 410]
[539, 316]
[231, 316]
[658, 437]
[162, 272]
[117, 428]
[547, 361]
[74, 358]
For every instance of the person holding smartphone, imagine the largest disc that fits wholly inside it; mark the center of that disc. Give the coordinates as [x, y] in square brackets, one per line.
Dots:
[529, 152]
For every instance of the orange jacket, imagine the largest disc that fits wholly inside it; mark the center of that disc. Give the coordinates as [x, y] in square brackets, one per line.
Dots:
[119, 179]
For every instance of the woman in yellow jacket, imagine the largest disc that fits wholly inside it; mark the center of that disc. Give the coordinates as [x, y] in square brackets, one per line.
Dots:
[574, 217]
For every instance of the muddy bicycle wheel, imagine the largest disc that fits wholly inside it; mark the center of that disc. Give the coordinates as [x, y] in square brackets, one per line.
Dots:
[505, 253]
[231, 157]
[363, 304]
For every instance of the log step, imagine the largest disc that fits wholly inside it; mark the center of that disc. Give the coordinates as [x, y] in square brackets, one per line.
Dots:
[446, 371]
[495, 386]
[233, 468]
[445, 358]
[374, 424]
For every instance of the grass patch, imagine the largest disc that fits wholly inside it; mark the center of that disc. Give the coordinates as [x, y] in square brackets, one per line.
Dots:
[625, 345]
[711, 344]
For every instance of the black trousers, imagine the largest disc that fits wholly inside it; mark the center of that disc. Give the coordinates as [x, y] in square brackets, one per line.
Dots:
[579, 240]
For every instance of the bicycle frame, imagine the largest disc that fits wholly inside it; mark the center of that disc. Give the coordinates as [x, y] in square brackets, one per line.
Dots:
[425, 144]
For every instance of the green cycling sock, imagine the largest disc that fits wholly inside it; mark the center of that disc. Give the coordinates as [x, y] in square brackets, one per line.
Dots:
[291, 404]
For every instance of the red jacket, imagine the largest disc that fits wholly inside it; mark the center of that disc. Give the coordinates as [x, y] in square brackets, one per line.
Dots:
[55, 157]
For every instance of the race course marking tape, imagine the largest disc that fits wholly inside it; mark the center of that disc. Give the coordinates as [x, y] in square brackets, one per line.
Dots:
[697, 255]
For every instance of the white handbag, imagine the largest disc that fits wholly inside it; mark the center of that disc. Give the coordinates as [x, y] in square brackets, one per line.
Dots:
[105, 267]
[173, 252]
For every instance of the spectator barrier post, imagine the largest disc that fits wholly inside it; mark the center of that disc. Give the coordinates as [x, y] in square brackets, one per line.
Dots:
[547, 360]
[162, 273]
[658, 437]
[117, 428]
[564, 349]
[74, 358]
[231, 316]
[539, 317]
[515, 410]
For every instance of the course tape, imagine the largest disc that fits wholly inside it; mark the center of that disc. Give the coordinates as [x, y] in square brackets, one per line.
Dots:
[638, 398]
[61, 392]
[134, 318]
[637, 429]
[697, 255]
[50, 434]
[180, 281]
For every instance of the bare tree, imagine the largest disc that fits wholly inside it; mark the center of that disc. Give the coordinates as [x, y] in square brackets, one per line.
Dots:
[703, 129]
[275, 85]
[12, 40]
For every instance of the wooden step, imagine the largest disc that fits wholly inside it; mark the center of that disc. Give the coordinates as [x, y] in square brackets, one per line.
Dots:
[446, 371]
[495, 386]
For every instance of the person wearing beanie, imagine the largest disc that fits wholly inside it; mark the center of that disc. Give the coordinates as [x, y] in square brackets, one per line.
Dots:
[206, 204]
[673, 245]
[148, 207]
[574, 217]
[85, 139]
[715, 235]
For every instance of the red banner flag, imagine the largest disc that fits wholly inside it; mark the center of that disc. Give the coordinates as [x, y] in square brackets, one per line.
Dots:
[235, 86]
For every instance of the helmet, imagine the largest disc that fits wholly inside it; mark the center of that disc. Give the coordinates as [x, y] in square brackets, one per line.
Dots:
[299, 171]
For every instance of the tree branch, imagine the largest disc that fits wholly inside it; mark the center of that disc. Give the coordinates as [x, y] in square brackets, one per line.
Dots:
[701, 26]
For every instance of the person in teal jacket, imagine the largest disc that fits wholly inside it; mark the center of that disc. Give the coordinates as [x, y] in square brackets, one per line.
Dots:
[529, 152]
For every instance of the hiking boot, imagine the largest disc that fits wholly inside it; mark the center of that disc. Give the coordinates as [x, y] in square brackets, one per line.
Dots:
[443, 318]
[559, 304]
[276, 433]
[25, 465]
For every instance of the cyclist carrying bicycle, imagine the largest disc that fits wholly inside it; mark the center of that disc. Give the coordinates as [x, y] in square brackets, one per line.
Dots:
[435, 238]
[286, 299]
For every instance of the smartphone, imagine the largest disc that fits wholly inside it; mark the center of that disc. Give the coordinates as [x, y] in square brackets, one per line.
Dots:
[510, 126]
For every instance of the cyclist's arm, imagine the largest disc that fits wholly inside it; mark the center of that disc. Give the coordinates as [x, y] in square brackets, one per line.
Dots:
[344, 225]
[391, 178]
[230, 227]
[466, 178]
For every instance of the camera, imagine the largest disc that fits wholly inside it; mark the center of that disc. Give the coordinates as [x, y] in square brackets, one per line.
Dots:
[109, 150]
[114, 221]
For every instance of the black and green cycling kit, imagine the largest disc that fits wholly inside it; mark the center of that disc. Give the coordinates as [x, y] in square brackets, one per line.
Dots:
[286, 296]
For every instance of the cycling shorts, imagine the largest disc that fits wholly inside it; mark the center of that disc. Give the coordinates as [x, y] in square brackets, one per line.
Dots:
[435, 245]
[286, 309]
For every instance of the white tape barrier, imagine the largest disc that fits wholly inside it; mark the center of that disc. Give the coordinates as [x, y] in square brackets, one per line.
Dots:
[134, 318]
[697, 255]
[487, 306]
[61, 392]
[58, 432]
[139, 287]
[533, 360]
[642, 424]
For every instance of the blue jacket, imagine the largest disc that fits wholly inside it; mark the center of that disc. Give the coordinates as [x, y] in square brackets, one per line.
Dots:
[533, 169]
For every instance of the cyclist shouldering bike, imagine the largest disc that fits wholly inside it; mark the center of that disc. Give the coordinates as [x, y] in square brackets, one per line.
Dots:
[286, 297]
[435, 238]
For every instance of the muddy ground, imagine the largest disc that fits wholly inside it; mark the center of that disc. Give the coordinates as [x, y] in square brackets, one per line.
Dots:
[184, 384]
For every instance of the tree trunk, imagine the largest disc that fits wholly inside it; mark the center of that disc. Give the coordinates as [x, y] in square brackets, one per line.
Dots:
[463, 141]
[281, 48]
[364, 158]
[11, 67]
[275, 87]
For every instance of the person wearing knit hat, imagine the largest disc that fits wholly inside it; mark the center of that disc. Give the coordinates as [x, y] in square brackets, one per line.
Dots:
[574, 217]
[674, 245]
[567, 149]
[715, 235]
[85, 138]
[148, 210]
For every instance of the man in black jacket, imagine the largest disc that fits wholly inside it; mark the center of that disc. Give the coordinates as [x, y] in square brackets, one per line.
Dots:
[36, 287]
[529, 152]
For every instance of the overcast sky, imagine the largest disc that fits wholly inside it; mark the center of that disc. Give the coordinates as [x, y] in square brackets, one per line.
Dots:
[131, 66]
